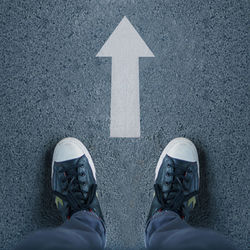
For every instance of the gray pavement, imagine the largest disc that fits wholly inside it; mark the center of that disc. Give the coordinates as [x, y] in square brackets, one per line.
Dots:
[53, 86]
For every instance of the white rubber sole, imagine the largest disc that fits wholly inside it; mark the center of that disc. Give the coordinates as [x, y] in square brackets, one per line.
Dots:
[170, 145]
[81, 146]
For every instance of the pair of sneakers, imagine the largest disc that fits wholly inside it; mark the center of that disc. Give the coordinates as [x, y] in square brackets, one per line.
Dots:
[74, 179]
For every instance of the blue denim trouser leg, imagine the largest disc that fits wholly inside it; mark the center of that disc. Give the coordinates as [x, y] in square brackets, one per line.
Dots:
[166, 230]
[84, 230]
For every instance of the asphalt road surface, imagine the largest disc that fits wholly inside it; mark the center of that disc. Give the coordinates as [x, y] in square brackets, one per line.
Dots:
[52, 86]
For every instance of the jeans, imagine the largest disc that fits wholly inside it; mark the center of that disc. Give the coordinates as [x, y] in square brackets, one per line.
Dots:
[165, 230]
[84, 230]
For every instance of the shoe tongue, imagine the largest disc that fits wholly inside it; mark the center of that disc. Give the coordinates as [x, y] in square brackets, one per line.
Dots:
[69, 163]
[182, 163]
[165, 177]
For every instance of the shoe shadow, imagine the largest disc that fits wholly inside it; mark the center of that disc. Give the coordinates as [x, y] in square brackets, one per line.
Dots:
[201, 214]
[46, 214]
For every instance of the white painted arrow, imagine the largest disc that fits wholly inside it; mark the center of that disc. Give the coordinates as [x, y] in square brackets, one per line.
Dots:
[125, 46]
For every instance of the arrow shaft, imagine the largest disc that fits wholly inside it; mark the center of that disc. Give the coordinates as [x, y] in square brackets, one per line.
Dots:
[125, 103]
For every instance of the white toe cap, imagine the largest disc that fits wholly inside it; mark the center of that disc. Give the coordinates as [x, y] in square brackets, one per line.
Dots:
[179, 148]
[67, 149]
[71, 148]
[183, 149]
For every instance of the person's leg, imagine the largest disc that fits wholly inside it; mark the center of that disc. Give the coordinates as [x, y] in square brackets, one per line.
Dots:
[74, 187]
[176, 187]
[84, 230]
[166, 230]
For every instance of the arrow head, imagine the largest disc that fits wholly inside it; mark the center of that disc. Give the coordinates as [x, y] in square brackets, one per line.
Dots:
[125, 41]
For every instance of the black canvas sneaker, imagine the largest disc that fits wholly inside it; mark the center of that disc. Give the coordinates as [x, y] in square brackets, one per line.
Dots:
[73, 179]
[176, 179]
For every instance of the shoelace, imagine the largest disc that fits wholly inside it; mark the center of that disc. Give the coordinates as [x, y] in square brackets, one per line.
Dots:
[174, 197]
[74, 195]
